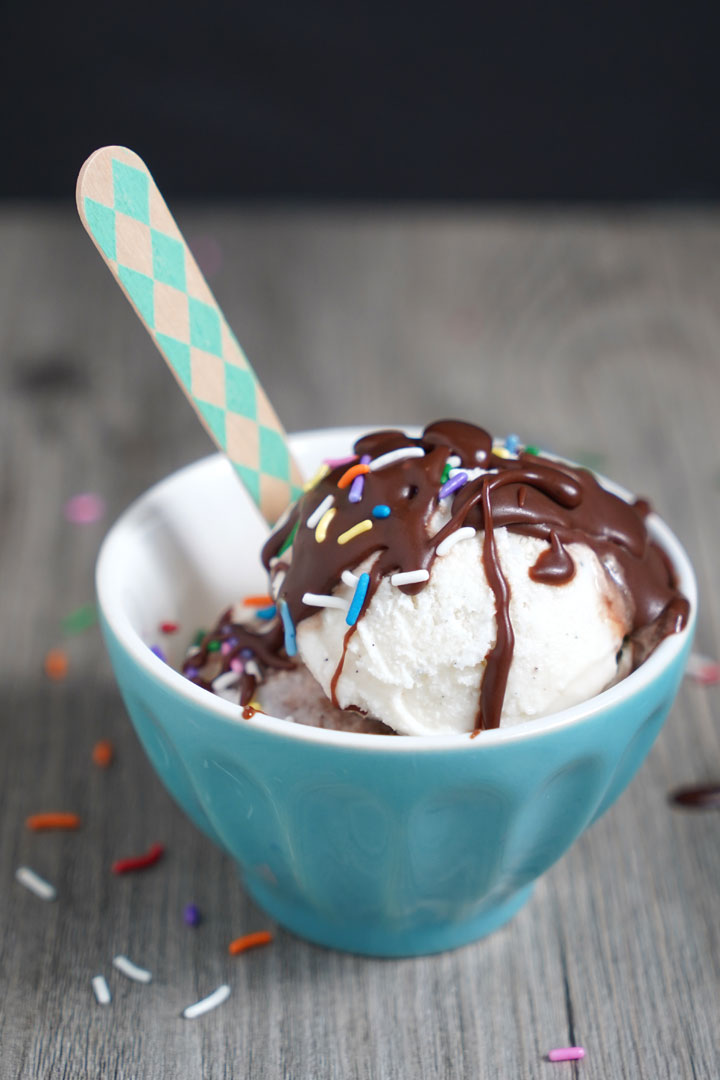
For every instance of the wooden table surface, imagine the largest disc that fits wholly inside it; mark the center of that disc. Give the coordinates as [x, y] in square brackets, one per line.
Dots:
[597, 335]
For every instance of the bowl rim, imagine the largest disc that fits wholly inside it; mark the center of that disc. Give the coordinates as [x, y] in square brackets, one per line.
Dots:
[118, 622]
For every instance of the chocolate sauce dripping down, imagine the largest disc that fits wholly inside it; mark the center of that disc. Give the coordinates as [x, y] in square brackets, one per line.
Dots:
[530, 495]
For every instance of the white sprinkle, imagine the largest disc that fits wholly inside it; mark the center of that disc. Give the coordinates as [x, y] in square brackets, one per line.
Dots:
[318, 512]
[472, 474]
[454, 461]
[102, 990]
[211, 1002]
[226, 681]
[35, 883]
[277, 583]
[409, 577]
[131, 970]
[319, 600]
[396, 455]
[450, 541]
[253, 668]
[349, 578]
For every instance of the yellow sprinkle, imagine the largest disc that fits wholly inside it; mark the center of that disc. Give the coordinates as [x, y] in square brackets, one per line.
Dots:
[255, 704]
[319, 475]
[323, 523]
[361, 527]
[500, 451]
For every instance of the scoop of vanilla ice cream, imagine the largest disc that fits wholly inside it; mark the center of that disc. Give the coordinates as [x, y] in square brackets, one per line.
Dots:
[417, 662]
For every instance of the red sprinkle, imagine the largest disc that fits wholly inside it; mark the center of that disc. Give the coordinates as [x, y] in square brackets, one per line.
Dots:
[139, 862]
[103, 753]
[169, 627]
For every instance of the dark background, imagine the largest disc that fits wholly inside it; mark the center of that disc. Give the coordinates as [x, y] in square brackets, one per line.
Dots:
[318, 100]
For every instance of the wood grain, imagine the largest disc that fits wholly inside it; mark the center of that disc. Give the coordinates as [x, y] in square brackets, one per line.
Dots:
[597, 336]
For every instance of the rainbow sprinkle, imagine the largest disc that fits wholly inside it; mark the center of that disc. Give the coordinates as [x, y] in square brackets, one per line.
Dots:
[348, 578]
[289, 627]
[319, 475]
[358, 599]
[358, 484]
[352, 473]
[356, 530]
[512, 443]
[320, 510]
[323, 525]
[409, 577]
[454, 538]
[267, 613]
[393, 456]
[324, 600]
[453, 484]
[567, 1053]
[381, 511]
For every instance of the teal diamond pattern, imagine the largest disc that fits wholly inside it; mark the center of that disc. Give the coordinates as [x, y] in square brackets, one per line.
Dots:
[101, 220]
[273, 454]
[214, 417]
[168, 257]
[204, 327]
[240, 391]
[250, 479]
[140, 287]
[177, 353]
[130, 188]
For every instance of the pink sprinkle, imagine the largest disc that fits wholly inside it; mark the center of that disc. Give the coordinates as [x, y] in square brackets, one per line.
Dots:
[84, 509]
[567, 1053]
[226, 648]
[334, 463]
[703, 669]
[237, 665]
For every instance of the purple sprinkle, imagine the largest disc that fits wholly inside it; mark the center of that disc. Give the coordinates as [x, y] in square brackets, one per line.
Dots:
[455, 482]
[192, 915]
[159, 653]
[191, 672]
[356, 488]
[246, 653]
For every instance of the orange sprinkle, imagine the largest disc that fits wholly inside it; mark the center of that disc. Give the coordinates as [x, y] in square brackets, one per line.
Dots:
[258, 601]
[249, 941]
[56, 664]
[103, 753]
[349, 475]
[36, 822]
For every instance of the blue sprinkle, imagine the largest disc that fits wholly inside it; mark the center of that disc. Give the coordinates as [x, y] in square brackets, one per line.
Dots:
[358, 599]
[512, 443]
[159, 653]
[191, 672]
[246, 653]
[267, 612]
[192, 915]
[290, 642]
[455, 482]
[381, 511]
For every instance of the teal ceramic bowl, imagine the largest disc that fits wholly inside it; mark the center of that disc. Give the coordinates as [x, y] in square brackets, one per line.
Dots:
[387, 846]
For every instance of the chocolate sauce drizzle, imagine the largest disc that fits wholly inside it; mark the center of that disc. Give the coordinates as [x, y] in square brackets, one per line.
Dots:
[527, 494]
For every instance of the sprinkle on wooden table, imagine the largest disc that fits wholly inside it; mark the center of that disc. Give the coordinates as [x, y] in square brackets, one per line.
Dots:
[567, 1053]
[56, 664]
[38, 822]
[192, 915]
[35, 883]
[697, 797]
[139, 862]
[169, 627]
[101, 990]
[84, 509]
[103, 753]
[249, 941]
[137, 974]
[702, 669]
[356, 530]
[80, 619]
[210, 1002]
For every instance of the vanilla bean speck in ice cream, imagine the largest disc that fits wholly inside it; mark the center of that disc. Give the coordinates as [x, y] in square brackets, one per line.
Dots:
[442, 584]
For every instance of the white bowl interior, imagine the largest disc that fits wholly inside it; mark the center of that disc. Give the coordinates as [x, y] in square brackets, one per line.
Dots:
[191, 546]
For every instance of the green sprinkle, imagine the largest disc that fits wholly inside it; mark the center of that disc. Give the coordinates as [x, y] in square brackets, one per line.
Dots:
[445, 475]
[289, 541]
[80, 619]
[213, 646]
[198, 639]
[532, 450]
